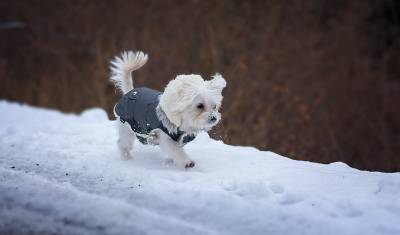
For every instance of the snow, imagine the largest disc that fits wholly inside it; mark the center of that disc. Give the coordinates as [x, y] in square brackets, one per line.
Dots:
[61, 174]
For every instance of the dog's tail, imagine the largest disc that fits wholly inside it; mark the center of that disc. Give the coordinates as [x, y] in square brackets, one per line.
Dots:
[123, 66]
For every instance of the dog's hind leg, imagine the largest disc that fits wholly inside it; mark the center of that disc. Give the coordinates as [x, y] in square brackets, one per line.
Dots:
[126, 140]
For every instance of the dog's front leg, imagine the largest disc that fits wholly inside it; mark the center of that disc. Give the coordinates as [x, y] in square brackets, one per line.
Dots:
[173, 149]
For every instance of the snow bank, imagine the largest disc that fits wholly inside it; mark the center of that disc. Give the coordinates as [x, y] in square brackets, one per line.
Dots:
[61, 174]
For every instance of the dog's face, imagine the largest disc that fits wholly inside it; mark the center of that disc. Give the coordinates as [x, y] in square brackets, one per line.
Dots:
[192, 103]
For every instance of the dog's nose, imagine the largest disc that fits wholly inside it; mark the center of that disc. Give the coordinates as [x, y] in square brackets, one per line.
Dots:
[212, 119]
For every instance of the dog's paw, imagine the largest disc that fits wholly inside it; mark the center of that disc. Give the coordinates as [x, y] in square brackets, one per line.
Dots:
[154, 137]
[125, 154]
[190, 164]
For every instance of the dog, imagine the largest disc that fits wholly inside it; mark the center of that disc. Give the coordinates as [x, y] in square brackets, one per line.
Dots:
[170, 119]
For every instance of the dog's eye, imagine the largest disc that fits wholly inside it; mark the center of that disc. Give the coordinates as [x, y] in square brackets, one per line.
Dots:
[200, 106]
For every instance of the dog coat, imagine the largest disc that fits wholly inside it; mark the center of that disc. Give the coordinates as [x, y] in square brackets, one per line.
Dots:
[138, 108]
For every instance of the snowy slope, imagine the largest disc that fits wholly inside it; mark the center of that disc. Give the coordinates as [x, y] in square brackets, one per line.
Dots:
[61, 174]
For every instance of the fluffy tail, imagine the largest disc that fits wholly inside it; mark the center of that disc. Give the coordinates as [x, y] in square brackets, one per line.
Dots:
[122, 68]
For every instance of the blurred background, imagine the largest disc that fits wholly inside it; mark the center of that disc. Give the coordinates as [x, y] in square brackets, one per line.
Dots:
[314, 80]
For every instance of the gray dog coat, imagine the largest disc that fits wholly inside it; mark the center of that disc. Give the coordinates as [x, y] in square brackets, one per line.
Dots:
[138, 108]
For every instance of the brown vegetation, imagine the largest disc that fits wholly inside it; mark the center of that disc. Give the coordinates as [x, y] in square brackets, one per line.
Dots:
[313, 80]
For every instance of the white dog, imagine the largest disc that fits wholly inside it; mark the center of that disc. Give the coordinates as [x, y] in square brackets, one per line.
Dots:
[170, 119]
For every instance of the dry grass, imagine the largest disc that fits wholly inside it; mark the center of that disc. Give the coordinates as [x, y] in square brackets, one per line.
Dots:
[315, 80]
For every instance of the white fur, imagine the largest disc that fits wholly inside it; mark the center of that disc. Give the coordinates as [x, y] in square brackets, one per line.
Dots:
[188, 103]
[182, 92]
[126, 140]
[122, 68]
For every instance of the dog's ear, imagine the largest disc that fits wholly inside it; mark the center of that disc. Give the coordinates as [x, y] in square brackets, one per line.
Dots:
[169, 101]
[175, 117]
[218, 83]
[178, 95]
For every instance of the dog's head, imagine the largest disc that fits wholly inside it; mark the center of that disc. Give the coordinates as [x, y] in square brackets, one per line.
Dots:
[191, 103]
